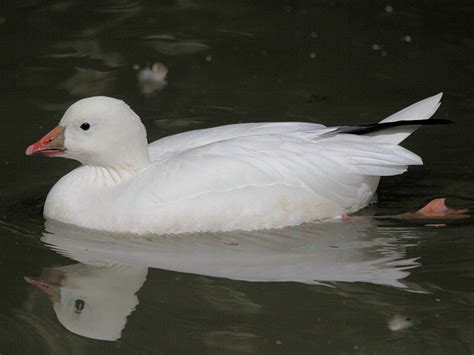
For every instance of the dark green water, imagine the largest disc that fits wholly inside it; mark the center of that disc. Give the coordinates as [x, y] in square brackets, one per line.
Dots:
[321, 288]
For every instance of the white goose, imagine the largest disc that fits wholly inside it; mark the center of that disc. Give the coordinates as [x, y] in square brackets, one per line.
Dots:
[242, 176]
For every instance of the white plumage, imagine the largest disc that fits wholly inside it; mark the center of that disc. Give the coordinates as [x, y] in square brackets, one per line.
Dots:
[243, 176]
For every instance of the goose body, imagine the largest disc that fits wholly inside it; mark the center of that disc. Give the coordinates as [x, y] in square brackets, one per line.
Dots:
[242, 176]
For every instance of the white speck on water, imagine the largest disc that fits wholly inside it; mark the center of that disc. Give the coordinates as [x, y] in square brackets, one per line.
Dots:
[376, 47]
[314, 35]
[399, 322]
[208, 58]
[356, 347]
[407, 39]
[278, 342]
[135, 67]
[383, 53]
[388, 9]
[437, 300]
[312, 55]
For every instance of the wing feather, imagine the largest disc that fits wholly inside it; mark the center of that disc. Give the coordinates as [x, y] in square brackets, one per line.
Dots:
[333, 168]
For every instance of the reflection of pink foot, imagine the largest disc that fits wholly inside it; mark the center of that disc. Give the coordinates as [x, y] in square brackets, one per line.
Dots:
[436, 208]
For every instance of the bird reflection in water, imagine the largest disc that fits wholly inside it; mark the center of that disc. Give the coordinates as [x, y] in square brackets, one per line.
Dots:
[152, 79]
[92, 301]
[94, 297]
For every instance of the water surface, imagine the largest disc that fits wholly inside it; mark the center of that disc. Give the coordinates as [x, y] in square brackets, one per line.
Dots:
[384, 286]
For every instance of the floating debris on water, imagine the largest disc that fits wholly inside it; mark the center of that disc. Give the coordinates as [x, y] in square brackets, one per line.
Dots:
[407, 39]
[152, 79]
[135, 66]
[208, 58]
[388, 9]
[314, 35]
[399, 322]
[312, 55]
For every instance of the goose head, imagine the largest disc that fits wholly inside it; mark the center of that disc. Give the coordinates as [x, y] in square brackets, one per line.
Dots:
[97, 131]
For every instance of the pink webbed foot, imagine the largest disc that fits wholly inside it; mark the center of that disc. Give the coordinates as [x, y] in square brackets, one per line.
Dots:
[436, 208]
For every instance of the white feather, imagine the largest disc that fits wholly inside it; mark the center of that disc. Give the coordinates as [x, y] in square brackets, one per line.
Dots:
[421, 110]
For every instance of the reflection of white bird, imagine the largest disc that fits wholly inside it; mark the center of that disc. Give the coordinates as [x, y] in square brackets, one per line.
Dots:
[244, 176]
[152, 79]
[310, 253]
[93, 301]
[94, 298]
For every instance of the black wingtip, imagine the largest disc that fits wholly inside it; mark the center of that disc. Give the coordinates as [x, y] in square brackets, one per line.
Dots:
[374, 127]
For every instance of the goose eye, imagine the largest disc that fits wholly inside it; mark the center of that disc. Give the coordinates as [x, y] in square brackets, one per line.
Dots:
[79, 305]
[85, 126]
